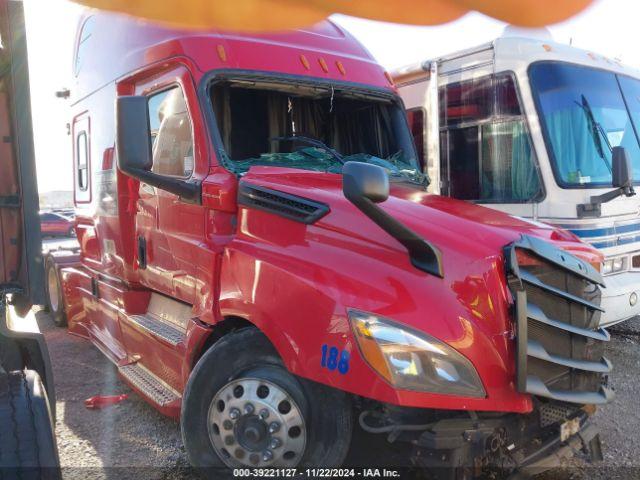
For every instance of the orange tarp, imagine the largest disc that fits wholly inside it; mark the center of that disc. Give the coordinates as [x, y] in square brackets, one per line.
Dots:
[256, 15]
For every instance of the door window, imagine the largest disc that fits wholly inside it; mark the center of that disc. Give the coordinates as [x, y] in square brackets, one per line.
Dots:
[171, 134]
[82, 171]
[82, 159]
[486, 150]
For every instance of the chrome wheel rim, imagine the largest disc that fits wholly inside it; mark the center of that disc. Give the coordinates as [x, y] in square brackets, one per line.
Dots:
[52, 287]
[255, 423]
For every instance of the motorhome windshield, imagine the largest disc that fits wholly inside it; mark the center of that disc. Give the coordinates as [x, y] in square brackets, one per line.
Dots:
[586, 112]
[311, 127]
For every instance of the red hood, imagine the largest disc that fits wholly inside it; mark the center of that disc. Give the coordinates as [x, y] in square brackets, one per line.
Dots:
[444, 221]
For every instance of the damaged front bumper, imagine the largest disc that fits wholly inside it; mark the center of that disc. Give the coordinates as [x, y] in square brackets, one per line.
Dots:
[508, 446]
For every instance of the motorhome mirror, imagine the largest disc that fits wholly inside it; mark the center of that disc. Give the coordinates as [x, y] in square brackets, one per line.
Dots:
[621, 168]
[133, 139]
[363, 180]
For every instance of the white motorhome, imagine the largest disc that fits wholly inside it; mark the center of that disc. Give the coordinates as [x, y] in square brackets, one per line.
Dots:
[532, 128]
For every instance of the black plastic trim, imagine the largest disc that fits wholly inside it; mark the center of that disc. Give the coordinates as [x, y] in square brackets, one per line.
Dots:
[535, 386]
[536, 350]
[524, 311]
[292, 207]
[535, 281]
[535, 313]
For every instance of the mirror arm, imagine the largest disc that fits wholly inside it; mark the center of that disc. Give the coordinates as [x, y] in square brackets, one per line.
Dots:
[593, 208]
[424, 256]
[187, 191]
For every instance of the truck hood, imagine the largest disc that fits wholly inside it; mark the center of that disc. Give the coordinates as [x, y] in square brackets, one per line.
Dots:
[443, 221]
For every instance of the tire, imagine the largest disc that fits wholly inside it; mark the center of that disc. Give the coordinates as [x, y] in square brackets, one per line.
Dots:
[247, 358]
[27, 443]
[53, 287]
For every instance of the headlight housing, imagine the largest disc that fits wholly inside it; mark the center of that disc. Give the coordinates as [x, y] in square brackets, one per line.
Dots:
[411, 360]
[614, 265]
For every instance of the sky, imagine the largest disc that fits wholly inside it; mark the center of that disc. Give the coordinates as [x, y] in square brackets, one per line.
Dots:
[608, 27]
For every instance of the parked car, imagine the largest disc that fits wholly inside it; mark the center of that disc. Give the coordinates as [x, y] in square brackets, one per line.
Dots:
[54, 224]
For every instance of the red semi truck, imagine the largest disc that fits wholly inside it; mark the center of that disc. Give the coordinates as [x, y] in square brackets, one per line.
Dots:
[259, 257]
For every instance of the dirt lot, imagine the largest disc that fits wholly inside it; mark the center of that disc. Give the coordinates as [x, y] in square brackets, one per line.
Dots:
[132, 440]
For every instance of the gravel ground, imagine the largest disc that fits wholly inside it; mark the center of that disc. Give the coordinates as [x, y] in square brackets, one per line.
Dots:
[132, 440]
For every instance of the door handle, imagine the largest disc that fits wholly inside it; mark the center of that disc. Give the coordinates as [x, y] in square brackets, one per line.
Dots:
[142, 252]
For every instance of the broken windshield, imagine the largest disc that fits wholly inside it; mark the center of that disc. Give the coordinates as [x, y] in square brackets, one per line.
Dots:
[311, 127]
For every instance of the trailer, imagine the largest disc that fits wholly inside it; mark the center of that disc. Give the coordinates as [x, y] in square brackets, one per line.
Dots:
[539, 130]
[27, 396]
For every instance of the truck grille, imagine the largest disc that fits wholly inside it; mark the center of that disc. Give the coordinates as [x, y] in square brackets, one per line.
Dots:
[560, 346]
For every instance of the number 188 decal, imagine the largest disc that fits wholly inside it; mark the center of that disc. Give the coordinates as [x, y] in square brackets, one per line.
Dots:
[333, 359]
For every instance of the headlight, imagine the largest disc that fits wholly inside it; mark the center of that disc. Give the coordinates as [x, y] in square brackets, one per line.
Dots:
[614, 265]
[412, 360]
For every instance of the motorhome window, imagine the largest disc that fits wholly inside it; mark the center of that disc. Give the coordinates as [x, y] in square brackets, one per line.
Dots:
[82, 171]
[415, 116]
[312, 128]
[631, 91]
[83, 42]
[171, 136]
[584, 116]
[486, 153]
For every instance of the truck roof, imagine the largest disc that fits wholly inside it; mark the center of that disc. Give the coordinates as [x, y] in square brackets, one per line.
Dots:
[110, 46]
[511, 49]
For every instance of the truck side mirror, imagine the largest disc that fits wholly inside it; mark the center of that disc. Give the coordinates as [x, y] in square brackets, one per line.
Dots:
[133, 139]
[133, 147]
[364, 185]
[365, 180]
[622, 174]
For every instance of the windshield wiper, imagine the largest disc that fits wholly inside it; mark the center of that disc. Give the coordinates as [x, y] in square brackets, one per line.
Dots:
[597, 132]
[314, 142]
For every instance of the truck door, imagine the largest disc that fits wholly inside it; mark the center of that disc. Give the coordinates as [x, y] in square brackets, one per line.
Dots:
[169, 231]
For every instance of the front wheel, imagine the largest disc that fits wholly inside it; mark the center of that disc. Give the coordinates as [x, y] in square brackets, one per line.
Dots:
[243, 409]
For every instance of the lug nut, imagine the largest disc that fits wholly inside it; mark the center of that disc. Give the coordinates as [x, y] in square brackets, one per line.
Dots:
[229, 440]
[275, 443]
[227, 424]
[248, 409]
[267, 455]
[274, 427]
[264, 414]
[234, 413]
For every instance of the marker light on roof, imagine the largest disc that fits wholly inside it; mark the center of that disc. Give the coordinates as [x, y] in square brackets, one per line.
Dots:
[323, 65]
[222, 53]
[305, 62]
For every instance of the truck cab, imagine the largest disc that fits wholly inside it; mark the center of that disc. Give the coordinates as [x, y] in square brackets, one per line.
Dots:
[531, 127]
[260, 258]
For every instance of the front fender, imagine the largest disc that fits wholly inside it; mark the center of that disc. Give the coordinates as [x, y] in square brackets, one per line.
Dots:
[296, 289]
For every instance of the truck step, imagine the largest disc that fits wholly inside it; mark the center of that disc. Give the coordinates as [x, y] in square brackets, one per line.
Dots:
[149, 384]
[157, 327]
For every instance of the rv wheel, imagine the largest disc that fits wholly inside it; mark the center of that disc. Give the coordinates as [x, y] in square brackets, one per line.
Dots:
[55, 302]
[243, 409]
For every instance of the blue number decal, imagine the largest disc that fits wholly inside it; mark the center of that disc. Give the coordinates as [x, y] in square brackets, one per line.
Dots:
[333, 359]
[343, 364]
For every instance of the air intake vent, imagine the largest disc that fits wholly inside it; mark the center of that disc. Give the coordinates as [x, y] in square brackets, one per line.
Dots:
[557, 308]
[289, 206]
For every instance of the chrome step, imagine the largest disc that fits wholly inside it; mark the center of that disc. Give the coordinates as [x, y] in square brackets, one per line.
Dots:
[157, 327]
[149, 384]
